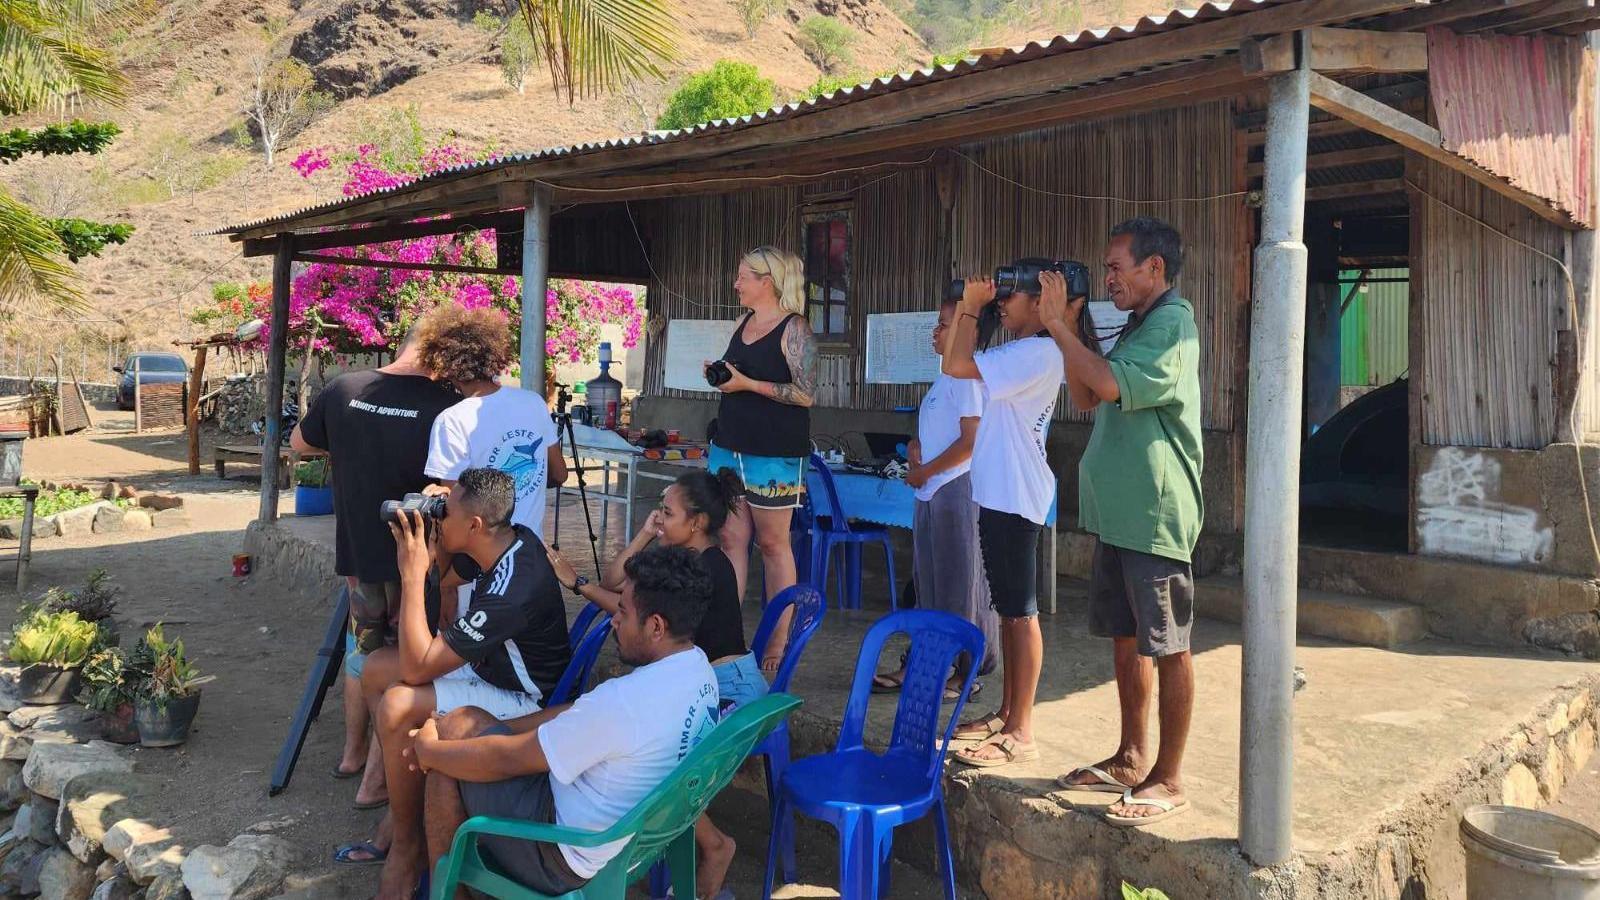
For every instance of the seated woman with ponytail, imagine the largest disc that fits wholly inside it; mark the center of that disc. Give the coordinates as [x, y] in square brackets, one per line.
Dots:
[693, 510]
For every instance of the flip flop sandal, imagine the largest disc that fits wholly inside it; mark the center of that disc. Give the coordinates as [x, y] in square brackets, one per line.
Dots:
[346, 854]
[1167, 810]
[1104, 783]
[1011, 752]
[370, 804]
[342, 774]
[886, 683]
[981, 730]
[951, 694]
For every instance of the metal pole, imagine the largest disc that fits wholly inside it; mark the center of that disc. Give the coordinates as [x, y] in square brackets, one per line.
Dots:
[271, 433]
[535, 279]
[1272, 482]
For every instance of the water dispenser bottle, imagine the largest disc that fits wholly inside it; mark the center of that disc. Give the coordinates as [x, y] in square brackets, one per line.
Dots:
[604, 394]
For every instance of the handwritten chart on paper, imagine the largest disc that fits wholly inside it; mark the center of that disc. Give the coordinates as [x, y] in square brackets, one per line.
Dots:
[900, 349]
[690, 342]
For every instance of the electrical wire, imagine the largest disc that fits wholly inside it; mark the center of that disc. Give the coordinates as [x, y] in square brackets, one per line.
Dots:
[1572, 311]
[1070, 196]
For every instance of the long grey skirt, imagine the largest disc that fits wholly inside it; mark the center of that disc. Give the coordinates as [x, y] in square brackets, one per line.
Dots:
[947, 565]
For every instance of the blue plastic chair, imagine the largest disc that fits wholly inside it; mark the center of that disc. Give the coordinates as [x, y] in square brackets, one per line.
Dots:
[580, 625]
[809, 608]
[866, 795]
[583, 659]
[832, 528]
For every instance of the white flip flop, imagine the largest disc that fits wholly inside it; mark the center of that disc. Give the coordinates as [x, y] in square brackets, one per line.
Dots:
[1168, 810]
[1105, 782]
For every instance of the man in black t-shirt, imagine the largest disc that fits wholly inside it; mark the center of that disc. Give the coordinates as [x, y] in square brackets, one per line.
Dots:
[375, 425]
[503, 654]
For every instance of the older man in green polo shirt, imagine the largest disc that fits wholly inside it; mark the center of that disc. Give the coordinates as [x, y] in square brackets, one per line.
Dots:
[1139, 493]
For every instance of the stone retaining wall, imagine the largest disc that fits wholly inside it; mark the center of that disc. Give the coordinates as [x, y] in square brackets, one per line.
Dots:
[94, 392]
[300, 564]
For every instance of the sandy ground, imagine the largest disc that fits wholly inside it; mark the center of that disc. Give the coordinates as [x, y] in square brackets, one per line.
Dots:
[259, 640]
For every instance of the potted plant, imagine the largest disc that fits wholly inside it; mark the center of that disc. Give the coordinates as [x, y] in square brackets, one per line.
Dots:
[109, 686]
[95, 603]
[313, 493]
[168, 693]
[51, 648]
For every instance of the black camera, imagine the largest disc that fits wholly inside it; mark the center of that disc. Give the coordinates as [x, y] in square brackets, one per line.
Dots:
[429, 507]
[1022, 276]
[717, 374]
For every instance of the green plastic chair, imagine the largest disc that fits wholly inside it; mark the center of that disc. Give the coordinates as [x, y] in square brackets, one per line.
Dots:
[661, 826]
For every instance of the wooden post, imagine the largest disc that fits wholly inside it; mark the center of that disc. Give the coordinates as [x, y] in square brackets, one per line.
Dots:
[192, 417]
[138, 401]
[59, 421]
[277, 347]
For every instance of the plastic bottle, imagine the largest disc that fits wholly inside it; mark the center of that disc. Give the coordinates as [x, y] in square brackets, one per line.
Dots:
[603, 395]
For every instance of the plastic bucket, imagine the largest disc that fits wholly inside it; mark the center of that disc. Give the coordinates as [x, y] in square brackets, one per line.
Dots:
[1522, 854]
[313, 501]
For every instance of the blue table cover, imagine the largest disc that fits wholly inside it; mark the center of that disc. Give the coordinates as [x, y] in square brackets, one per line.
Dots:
[882, 501]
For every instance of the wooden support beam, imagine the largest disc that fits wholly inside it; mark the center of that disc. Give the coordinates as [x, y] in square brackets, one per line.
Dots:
[1337, 50]
[1356, 157]
[1559, 17]
[379, 234]
[1356, 189]
[1446, 13]
[902, 108]
[1347, 103]
[1514, 18]
[404, 266]
[1324, 128]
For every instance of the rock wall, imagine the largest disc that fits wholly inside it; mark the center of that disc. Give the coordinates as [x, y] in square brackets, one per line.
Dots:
[94, 392]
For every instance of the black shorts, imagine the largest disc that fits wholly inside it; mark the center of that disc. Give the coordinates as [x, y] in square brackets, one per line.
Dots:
[1010, 545]
[538, 865]
[1143, 596]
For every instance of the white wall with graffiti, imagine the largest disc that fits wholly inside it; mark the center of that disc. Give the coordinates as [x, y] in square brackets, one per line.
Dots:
[1461, 513]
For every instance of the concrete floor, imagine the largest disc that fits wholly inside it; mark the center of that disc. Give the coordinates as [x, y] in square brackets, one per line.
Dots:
[1378, 732]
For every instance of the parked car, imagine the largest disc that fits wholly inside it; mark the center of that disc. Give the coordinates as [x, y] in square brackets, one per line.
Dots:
[153, 368]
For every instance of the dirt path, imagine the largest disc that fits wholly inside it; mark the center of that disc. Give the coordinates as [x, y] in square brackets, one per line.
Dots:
[259, 639]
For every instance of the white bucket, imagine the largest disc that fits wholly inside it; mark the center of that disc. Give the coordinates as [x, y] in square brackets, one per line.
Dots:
[1522, 854]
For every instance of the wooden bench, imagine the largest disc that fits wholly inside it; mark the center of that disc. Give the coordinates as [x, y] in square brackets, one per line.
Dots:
[251, 453]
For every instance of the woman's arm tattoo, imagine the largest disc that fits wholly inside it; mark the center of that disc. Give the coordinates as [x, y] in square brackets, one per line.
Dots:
[800, 351]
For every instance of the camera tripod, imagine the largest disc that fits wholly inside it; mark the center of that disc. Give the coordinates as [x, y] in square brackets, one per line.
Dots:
[564, 429]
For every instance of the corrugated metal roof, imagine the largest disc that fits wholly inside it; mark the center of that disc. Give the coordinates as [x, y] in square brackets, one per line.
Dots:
[1033, 50]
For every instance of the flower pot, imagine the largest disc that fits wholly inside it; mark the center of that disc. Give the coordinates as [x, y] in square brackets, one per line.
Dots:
[46, 685]
[313, 501]
[119, 726]
[165, 727]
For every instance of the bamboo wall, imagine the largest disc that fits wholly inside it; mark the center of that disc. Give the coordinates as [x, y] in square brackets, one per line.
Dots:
[897, 258]
[1488, 309]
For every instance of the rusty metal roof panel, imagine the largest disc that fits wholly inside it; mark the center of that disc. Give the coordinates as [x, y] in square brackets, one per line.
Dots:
[1057, 45]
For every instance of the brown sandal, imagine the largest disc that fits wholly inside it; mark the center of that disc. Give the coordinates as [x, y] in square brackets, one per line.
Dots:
[1011, 750]
[979, 729]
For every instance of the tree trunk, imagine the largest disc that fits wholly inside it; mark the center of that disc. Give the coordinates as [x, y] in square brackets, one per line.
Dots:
[303, 392]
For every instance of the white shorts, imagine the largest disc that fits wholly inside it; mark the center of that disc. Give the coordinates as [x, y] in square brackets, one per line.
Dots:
[462, 687]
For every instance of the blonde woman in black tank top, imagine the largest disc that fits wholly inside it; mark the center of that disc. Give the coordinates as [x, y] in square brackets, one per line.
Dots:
[764, 420]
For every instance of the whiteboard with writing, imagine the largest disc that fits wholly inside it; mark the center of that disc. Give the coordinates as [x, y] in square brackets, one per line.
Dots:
[690, 342]
[900, 348]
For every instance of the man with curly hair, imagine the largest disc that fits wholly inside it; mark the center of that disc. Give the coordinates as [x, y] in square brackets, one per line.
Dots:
[494, 427]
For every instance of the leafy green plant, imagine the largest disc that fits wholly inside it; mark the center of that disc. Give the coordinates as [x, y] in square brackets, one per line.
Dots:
[827, 84]
[109, 681]
[76, 136]
[518, 55]
[827, 41]
[1129, 892]
[755, 13]
[81, 237]
[727, 90]
[312, 472]
[164, 671]
[51, 502]
[55, 639]
[95, 603]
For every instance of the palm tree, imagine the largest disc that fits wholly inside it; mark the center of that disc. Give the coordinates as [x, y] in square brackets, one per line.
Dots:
[594, 46]
[48, 60]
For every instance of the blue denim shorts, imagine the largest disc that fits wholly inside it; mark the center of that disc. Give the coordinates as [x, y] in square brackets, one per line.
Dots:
[739, 681]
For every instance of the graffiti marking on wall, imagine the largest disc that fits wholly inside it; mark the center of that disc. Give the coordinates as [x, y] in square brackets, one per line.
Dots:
[1459, 513]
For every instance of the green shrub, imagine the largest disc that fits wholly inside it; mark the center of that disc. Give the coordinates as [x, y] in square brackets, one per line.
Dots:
[755, 13]
[312, 472]
[56, 639]
[827, 84]
[1129, 892]
[95, 603]
[50, 503]
[108, 681]
[827, 41]
[726, 90]
[163, 670]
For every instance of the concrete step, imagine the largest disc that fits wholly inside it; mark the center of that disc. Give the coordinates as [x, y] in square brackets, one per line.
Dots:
[1357, 620]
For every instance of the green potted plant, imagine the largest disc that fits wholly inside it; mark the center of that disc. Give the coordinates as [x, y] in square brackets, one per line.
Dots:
[168, 693]
[109, 688]
[313, 491]
[51, 648]
[95, 603]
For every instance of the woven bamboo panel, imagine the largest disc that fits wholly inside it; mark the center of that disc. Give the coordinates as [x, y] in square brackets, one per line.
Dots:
[1489, 308]
[74, 411]
[1180, 160]
[161, 405]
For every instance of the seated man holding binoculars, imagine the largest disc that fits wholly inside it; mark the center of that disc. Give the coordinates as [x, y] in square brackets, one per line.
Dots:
[503, 654]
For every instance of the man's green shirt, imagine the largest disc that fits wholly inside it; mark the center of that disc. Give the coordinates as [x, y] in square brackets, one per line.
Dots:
[1139, 479]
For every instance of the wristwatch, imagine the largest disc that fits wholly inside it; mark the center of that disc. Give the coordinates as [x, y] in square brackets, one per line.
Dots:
[577, 585]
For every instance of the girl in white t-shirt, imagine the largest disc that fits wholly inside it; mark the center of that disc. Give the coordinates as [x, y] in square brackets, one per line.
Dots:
[1014, 489]
[946, 566]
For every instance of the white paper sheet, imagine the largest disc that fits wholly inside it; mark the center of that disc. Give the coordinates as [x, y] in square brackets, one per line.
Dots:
[900, 349]
[690, 342]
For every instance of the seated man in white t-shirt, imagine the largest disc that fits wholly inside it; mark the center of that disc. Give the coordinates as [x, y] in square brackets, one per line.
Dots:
[584, 765]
